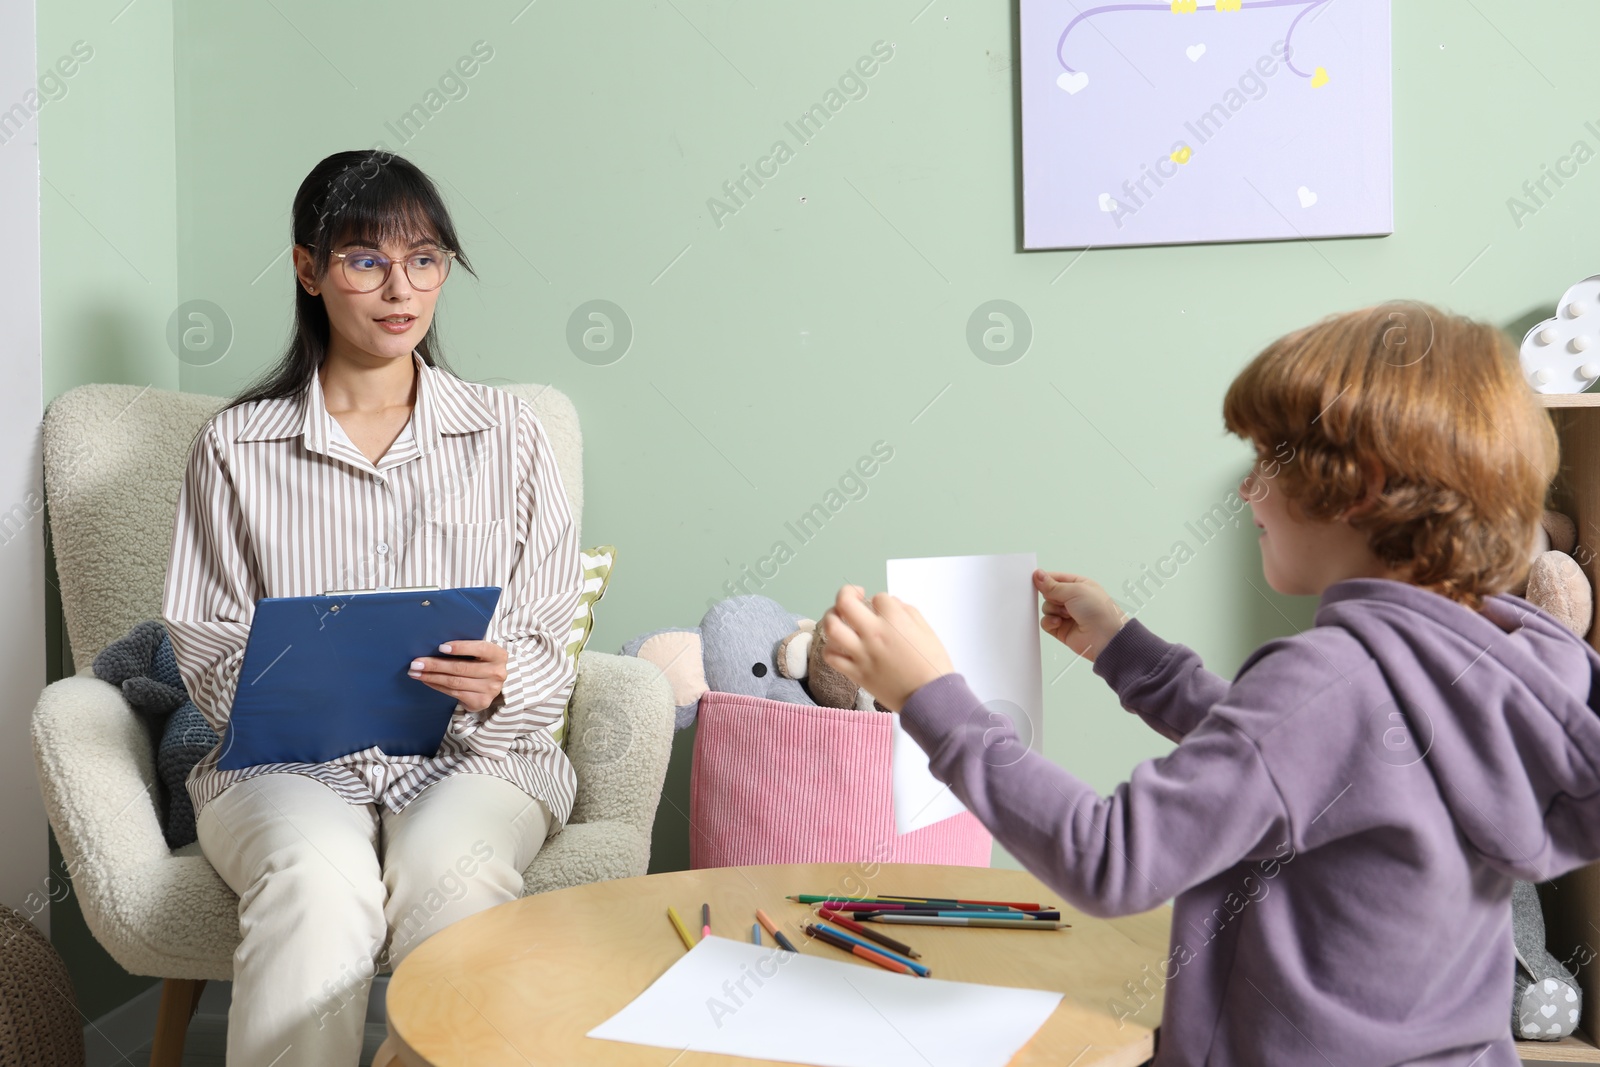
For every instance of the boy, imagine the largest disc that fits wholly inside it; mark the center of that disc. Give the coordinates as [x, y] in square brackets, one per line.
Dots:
[1342, 824]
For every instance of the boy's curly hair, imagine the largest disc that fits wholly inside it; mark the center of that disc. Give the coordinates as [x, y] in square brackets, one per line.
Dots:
[1435, 402]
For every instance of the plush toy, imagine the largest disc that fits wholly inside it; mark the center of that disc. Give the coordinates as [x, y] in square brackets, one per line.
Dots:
[800, 658]
[750, 645]
[733, 650]
[143, 666]
[1556, 583]
[1545, 1001]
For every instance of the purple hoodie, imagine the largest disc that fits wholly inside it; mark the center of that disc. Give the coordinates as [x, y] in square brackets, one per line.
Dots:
[1340, 826]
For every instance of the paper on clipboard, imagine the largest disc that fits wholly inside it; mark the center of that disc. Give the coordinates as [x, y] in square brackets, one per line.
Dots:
[985, 611]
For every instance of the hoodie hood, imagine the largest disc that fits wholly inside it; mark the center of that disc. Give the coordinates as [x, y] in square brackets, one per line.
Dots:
[1502, 704]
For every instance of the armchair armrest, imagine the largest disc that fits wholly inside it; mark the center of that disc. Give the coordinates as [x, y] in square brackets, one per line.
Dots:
[587, 852]
[619, 740]
[155, 913]
[93, 757]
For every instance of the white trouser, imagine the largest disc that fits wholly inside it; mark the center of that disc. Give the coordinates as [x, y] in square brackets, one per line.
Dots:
[331, 892]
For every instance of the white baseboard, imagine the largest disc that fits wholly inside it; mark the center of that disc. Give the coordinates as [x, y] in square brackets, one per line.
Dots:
[112, 1039]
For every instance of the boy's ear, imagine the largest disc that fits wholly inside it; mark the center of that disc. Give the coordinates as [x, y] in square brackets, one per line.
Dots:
[1375, 481]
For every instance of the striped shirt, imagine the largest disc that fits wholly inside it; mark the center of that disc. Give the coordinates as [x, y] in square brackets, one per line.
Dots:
[276, 501]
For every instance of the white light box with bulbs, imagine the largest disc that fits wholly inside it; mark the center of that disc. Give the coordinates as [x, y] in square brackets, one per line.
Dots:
[1562, 355]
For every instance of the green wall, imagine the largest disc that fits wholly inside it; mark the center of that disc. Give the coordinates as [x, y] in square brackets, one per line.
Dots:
[774, 346]
[109, 255]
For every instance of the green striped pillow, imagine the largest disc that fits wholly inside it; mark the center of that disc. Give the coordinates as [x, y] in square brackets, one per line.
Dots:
[597, 564]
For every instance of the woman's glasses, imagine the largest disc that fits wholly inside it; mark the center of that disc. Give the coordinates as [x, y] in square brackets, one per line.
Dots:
[366, 269]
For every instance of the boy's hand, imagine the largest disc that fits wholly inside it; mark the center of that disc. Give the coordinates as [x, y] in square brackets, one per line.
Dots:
[1077, 612]
[886, 647]
[475, 682]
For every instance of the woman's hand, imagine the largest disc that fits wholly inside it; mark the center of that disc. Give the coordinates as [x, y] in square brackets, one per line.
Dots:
[475, 682]
[887, 647]
[1077, 612]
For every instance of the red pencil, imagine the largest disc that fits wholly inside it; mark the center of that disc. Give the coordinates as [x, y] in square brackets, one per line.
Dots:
[862, 905]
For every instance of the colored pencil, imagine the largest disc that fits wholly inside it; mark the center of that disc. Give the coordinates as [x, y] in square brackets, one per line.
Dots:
[777, 935]
[705, 920]
[755, 933]
[1008, 915]
[677, 924]
[816, 898]
[885, 940]
[921, 969]
[897, 905]
[1019, 905]
[856, 950]
[936, 920]
[881, 902]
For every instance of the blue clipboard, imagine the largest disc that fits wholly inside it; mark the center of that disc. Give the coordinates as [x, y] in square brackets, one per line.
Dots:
[325, 676]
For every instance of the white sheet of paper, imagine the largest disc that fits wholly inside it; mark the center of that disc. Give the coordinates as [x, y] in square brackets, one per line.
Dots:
[832, 1013]
[985, 611]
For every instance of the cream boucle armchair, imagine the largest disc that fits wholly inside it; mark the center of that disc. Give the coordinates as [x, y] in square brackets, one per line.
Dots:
[114, 457]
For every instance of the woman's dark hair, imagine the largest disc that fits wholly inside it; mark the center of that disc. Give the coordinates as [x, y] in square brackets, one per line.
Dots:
[369, 196]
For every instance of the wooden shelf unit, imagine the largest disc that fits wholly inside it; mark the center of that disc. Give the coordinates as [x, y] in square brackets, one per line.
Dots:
[1572, 902]
[1574, 1049]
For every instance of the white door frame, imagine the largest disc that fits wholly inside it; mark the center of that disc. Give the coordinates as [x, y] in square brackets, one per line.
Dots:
[24, 847]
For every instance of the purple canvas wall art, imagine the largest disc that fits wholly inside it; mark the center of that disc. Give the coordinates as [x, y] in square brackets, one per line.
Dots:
[1205, 120]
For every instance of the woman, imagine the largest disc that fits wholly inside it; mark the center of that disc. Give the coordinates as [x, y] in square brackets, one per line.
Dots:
[360, 462]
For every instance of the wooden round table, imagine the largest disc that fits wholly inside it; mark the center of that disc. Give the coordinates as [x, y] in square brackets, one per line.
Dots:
[521, 984]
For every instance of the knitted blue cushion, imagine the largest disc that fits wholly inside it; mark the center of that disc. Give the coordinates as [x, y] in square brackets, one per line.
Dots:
[186, 739]
[143, 665]
[164, 664]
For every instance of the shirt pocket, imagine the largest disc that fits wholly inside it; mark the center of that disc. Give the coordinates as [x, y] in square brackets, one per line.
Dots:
[463, 553]
[467, 485]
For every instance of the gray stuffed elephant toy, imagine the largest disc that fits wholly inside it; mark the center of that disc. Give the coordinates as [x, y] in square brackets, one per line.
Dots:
[1546, 1002]
[733, 650]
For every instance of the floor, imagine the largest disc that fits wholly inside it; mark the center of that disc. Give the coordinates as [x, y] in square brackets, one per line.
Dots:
[207, 1042]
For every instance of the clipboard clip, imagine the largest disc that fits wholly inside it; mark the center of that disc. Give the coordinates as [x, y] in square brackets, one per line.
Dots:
[359, 592]
[395, 589]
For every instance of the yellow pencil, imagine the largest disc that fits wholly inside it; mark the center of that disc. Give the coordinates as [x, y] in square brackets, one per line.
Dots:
[677, 924]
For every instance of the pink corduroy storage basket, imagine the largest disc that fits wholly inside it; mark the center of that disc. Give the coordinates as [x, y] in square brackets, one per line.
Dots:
[775, 782]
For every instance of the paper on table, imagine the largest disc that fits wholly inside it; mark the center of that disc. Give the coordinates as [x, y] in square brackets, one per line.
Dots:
[800, 1008]
[985, 611]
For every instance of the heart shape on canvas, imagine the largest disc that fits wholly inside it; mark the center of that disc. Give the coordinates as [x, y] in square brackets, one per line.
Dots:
[1307, 197]
[1073, 81]
[1194, 52]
